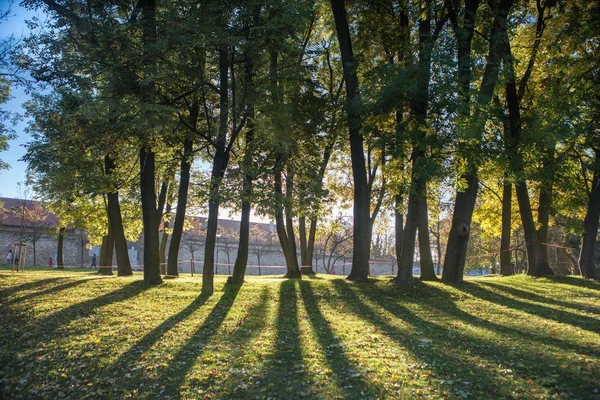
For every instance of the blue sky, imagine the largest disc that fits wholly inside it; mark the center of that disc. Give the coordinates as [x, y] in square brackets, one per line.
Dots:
[10, 178]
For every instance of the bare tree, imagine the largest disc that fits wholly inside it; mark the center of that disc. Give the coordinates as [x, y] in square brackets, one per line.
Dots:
[80, 237]
[228, 243]
[334, 240]
[193, 238]
[261, 243]
[34, 223]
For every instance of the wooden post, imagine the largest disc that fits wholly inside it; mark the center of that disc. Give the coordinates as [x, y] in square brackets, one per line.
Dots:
[21, 254]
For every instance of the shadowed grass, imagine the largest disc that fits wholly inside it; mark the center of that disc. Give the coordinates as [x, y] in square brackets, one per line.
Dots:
[344, 370]
[534, 309]
[537, 298]
[287, 372]
[26, 286]
[70, 334]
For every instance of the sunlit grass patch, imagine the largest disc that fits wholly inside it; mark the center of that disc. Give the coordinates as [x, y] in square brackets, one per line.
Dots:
[76, 334]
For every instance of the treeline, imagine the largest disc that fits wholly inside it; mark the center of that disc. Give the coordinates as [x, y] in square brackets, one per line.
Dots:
[290, 108]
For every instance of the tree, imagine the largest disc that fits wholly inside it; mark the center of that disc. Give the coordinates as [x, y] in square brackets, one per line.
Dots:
[470, 135]
[261, 244]
[34, 223]
[586, 255]
[192, 238]
[60, 264]
[63, 165]
[334, 240]
[361, 243]
[228, 240]
[7, 70]
[537, 262]
[80, 237]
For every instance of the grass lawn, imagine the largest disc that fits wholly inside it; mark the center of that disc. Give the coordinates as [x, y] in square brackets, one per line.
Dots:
[73, 334]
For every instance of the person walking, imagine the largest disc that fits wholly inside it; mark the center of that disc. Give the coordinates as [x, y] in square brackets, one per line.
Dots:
[9, 257]
[93, 261]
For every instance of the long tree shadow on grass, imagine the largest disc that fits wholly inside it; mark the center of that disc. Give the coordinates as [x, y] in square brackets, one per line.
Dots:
[575, 281]
[564, 317]
[248, 330]
[287, 370]
[448, 306]
[135, 352]
[452, 352]
[175, 373]
[538, 298]
[61, 319]
[346, 372]
[536, 359]
[446, 360]
[45, 291]
[9, 291]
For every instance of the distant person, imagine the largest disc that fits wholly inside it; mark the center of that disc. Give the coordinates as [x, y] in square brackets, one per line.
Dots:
[93, 261]
[9, 257]
[50, 262]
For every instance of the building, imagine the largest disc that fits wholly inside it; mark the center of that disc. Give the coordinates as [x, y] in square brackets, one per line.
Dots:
[27, 221]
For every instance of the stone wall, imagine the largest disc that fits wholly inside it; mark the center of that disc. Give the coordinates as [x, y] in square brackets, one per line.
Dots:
[272, 263]
[45, 249]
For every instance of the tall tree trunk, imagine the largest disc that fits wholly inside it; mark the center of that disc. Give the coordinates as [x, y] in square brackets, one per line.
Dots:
[220, 161]
[293, 269]
[458, 238]
[305, 255]
[537, 263]
[310, 248]
[307, 244]
[506, 268]
[360, 254]
[59, 251]
[241, 261]
[546, 195]
[303, 238]
[427, 270]
[419, 105]
[398, 227]
[164, 239]
[438, 245]
[536, 259]
[150, 218]
[543, 217]
[106, 254]
[590, 223]
[407, 254]
[81, 248]
[113, 210]
[378, 202]
[282, 210]
[182, 194]
[289, 253]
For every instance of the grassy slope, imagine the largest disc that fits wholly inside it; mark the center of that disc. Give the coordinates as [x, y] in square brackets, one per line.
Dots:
[74, 334]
